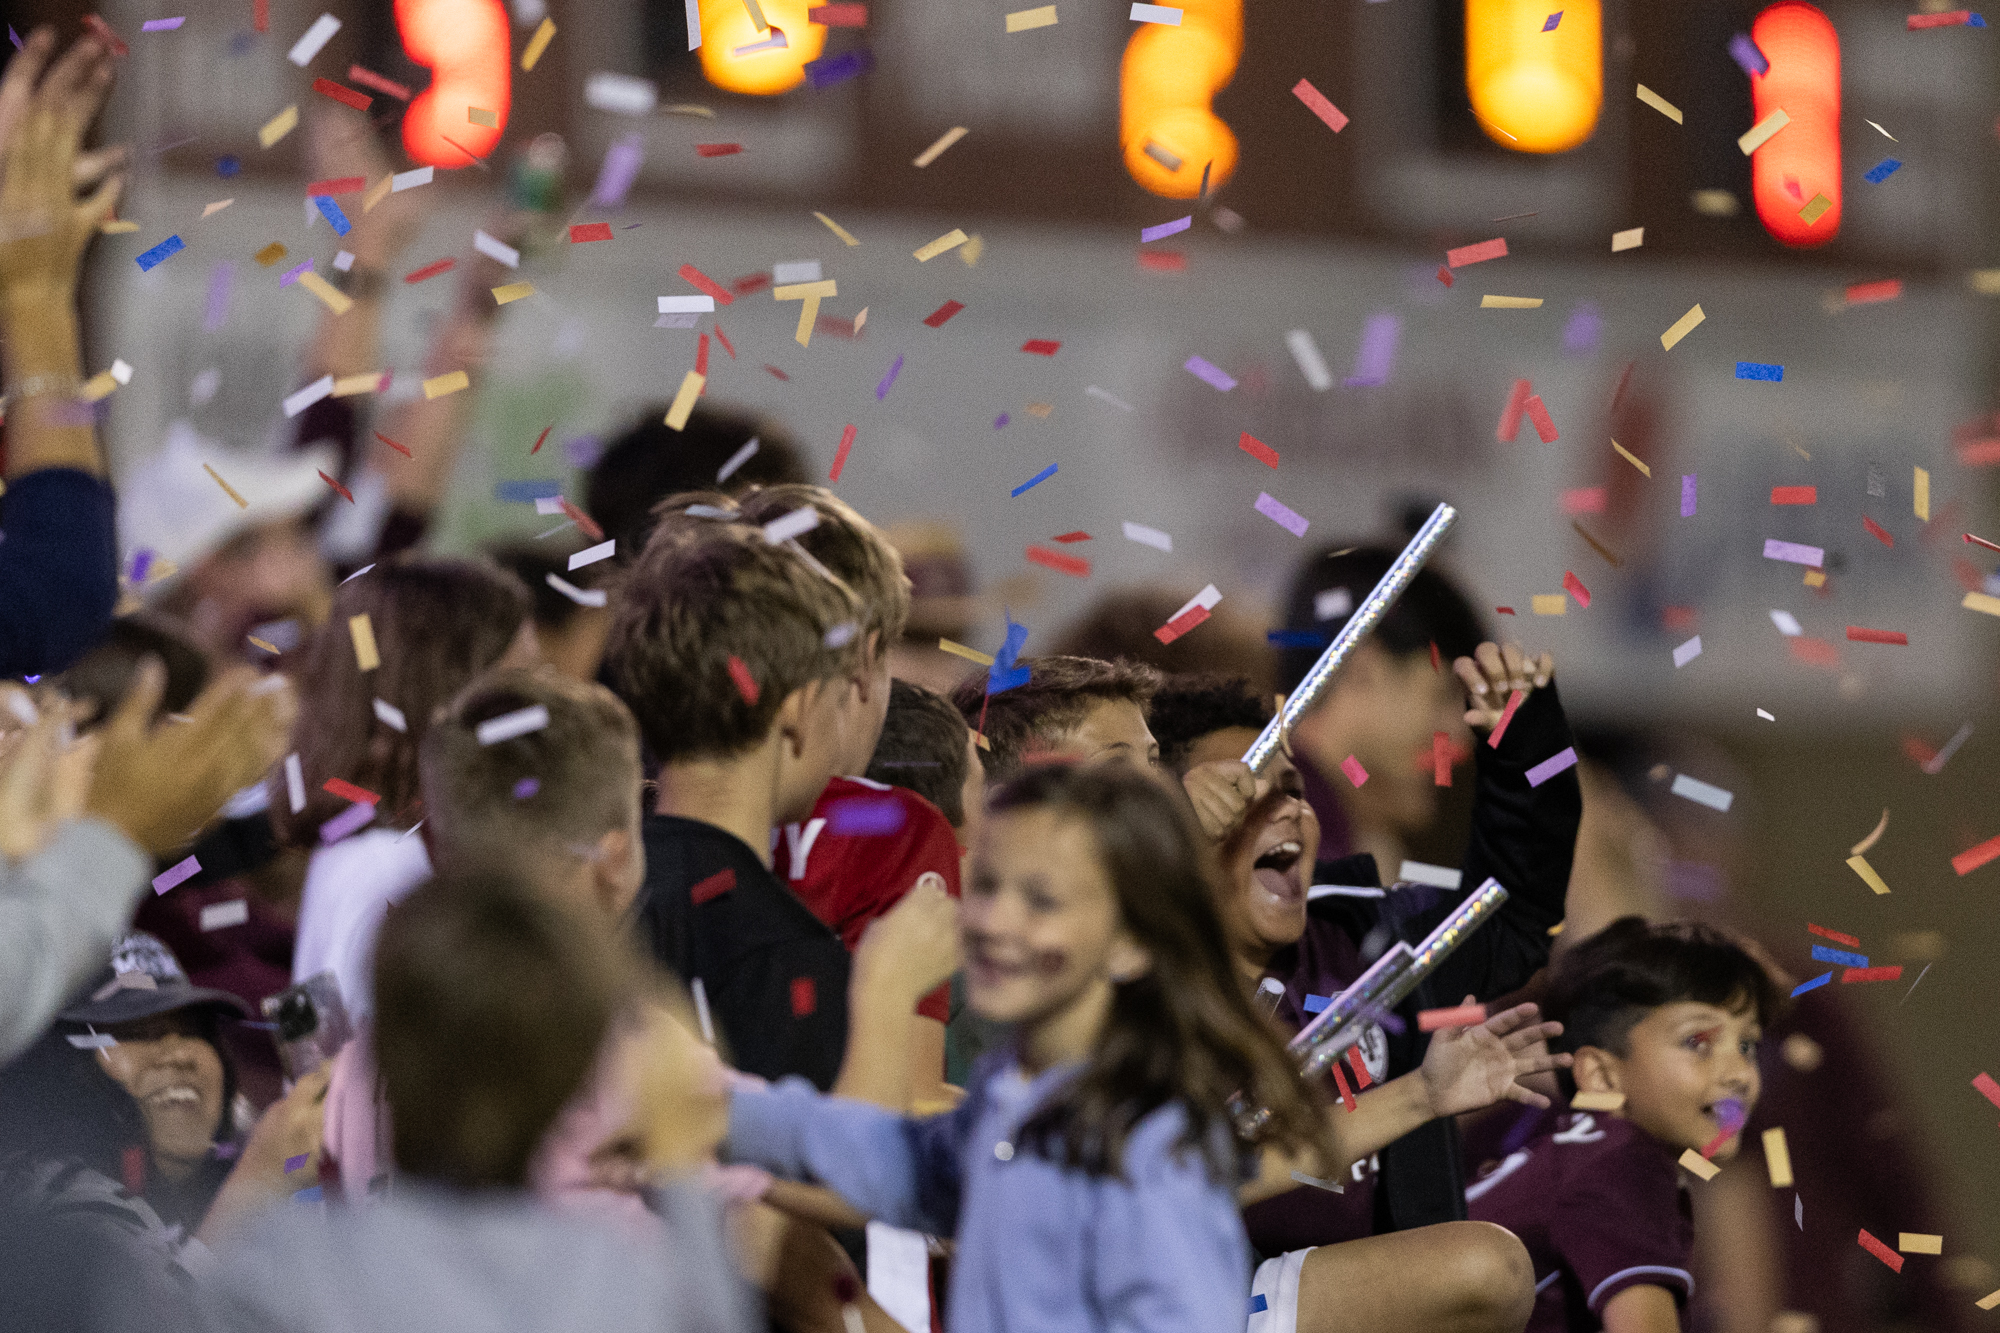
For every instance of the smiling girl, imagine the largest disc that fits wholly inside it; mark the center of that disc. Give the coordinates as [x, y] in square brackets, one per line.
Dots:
[1090, 1173]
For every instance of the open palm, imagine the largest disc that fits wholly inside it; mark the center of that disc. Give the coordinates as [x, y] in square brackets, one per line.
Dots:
[1473, 1067]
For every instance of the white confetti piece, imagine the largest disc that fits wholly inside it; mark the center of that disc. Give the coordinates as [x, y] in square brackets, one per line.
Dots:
[1145, 536]
[794, 524]
[410, 180]
[1438, 877]
[686, 305]
[315, 40]
[592, 554]
[1306, 352]
[1687, 652]
[295, 783]
[621, 94]
[1787, 623]
[391, 716]
[510, 725]
[581, 596]
[804, 270]
[496, 249]
[216, 916]
[1702, 793]
[306, 397]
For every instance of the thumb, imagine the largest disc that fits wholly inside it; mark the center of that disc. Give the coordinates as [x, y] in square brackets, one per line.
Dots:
[134, 715]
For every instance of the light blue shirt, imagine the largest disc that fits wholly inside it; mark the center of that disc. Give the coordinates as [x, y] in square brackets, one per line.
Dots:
[1042, 1248]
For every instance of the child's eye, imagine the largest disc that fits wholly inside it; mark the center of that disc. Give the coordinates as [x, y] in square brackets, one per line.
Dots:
[1699, 1043]
[1040, 902]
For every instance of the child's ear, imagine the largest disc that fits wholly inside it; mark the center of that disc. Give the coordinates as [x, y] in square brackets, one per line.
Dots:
[613, 882]
[1597, 1070]
[1128, 961]
[795, 714]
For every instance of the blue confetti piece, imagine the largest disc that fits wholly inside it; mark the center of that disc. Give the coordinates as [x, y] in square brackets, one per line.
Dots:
[829, 70]
[1758, 370]
[1003, 675]
[1882, 170]
[330, 210]
[1822, 954]
[1034, 481]
[161, 253]
[1745, 53]
[312, 1194]
[882, 389]
[526, 492]
[227, 166]
[1258, 1305]
[1315, 1003]
[1296, 638]
[1814, 984]
[1975, 22]
[1554, 19]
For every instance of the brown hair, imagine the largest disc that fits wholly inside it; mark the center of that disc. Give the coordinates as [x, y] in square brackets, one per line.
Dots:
[922, 749]
[849, 545]
[706, 592]
[571, 781]
[491, 1003]
[1122, 623]
[437, 624]
[1185, 1031]
[1059, 692]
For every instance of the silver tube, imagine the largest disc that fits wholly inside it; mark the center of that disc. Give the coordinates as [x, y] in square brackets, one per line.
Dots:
[1358, 626]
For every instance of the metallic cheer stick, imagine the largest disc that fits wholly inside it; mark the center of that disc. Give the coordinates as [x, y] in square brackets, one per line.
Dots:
[1358, 626]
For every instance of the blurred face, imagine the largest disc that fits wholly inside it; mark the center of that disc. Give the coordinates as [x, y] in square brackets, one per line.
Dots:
[1268, 862]
[270, 572]
[176, 1077]
[1112, 729]
[1383, 710]
[1681, 1061]
[1041, 930]
[972, 797]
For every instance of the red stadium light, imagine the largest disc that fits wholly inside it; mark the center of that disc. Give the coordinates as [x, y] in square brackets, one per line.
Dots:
[1801, 162]
[466, 46]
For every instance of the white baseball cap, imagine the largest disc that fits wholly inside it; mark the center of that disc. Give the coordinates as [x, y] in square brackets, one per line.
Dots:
[168, 503]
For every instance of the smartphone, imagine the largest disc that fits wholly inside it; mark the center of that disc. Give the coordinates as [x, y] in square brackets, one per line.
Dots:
[312, 1023]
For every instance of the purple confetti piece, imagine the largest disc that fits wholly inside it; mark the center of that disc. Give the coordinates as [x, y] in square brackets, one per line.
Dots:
[1687, 494]
[1693, 881]
[350, 820]
[1559, 762]
[1285, 517]
[1376, 356]
[829, 70]
[1377, 1014]
[1522, 1129]
[162, 25]
[13, 37]
[220, 279]
[1554, 19]
[1794, 552]
[866, 817]
[142, 560]
[1000, 422]
[291, 276]
[1209, 374]
[1165, 229]
[526, 788]
[882, 389]
[583, 451]
[619, 170]
[1581, 333]
[1745, 53]
[294, 1163]
[176, 874]
[1730, 1112]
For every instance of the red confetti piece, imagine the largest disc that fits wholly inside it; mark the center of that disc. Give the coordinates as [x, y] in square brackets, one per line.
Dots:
[1814, 652]
[1444, 275]
[345, 494]
[1181, 624]
[746, 684]
[1355, 773]
[1856, 634]
[1504, 610]
[584, 522]
[1510, 415]
[1506, 717]
[1346, 1093]
[1362, 1080]
[779, 373]
[103, 32]
[344, 95]
[1078, 536]
[1877, 531]
[1060, 563]
[1316, 102]
[1850, 941]
[839, 16]
[1979, 453]
[542, 438]
[709, 286]
[936, 319]
[1477, 254]
[721, 882]
[846, 441]
[701, 356]
[338, 185]
[397, 447]
[1871, 974]
[1574, 587]
[1987, 1087]
[1040, 346]
[1440, 758]
[1258, 450]
[723, 338]
[1868, 1242]
[1163, 261]
[368, 78]
[756, 282]
[1437, 663]
[579, 232]
[805, 996]
[1867, 293]
[1949, 19]
[1972, 858]
[717, 149]
[1458, 1016]
[260, 19]
[431, 270]
[1584, 500]
[347, 791]
[1981, 541]
[1794, 495]
[1545, 425]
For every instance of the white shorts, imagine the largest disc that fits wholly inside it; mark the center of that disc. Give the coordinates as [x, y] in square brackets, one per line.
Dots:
[1277, 1282]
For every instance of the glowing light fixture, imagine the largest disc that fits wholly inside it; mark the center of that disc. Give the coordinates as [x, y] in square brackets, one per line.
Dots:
[1534, 88]
[726, 28]
[1801, 162]
[1169, 132]
[465, 45]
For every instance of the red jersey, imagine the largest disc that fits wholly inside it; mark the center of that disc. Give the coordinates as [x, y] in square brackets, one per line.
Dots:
[866, 845]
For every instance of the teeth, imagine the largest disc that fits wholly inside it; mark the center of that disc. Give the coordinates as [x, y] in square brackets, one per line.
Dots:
[179, 1093]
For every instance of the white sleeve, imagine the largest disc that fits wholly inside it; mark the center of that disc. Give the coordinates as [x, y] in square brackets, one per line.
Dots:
[60, 913]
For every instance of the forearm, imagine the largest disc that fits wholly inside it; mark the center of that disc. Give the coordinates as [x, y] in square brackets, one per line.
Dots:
[1380, 1117]
[433, 429]
[41, 349]
[881, 1027]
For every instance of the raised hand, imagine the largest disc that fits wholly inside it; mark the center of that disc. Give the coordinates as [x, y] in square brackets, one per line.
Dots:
[1493, 673]
[44, 111]
[1223, 792]
[914, 945]
[1473, 1067]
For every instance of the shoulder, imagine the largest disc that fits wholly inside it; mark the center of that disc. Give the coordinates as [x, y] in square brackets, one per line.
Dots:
[374, 853]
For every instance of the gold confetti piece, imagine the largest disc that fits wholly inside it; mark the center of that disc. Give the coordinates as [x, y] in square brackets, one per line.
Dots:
[936, 150]
[861, 319]
[1660, 104]
[1815, 209]
[348, 385]
[1039, 409]
[378, 193]
[1555, 930]
[1631, 458]
[1881, 827]
[538, 44]
[691, 385]
[1682, 328]
[440, 386]
[808, 316]
[1714, 203]
[337, 301]
[837, 229]
[481, 116]
[1815, 578]
[799, 291]
[216, 207]
[1988, 1302]
[227, 489]
[1597, 1101]
[278, 126]
[1859, 865]
[98, 386]
[1985, 281]
[1777, 1159]
[1760, 134]
[362, 630]
[1979, 601]
[979, 739]
[119, 226]
[1551, 604]
[1510, 302]
[757, 15]
[513, 291]
[1699, 1165]
[1628, 240]
[688, 109]
[969, 654]
[972, 249]
[1916, 1242]
[270, 254]
[1921, 497]
[271, 648]
[949, 240]
[1021, 20]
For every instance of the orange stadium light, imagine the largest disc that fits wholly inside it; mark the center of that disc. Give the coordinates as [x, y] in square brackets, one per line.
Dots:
[1170, 76]
[1801, 162]
[1535, 89]
[466, 46]
[726, 28]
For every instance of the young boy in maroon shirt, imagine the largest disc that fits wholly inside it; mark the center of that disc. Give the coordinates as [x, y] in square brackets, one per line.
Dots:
[1663, 1021]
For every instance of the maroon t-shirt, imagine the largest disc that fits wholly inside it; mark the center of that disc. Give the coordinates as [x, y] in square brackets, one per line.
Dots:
[1601, 1207]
